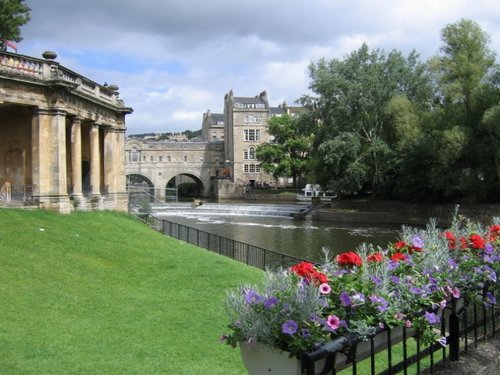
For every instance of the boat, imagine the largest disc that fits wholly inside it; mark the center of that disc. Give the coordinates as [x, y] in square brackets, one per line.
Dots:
[314, 192]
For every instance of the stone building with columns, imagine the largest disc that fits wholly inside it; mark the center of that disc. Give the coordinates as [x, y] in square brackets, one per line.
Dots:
[62, 143]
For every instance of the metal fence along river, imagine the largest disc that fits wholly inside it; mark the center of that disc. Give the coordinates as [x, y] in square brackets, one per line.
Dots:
[243, 252]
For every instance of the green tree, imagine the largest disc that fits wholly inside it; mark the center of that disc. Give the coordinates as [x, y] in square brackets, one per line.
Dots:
[464, 62]
[462, 133]
[351, 119]
[13, 15]
[287, 155]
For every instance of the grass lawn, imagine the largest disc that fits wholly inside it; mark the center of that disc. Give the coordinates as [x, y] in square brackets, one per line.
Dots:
[101, 293]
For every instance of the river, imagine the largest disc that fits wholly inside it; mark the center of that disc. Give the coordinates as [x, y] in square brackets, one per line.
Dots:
[267, 227]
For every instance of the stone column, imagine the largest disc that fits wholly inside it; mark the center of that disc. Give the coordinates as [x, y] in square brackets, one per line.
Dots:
[114, 167]
[119, 162]
[76, 156]
[49, 173]
[110, 154]
[38, 144]
[95, 161]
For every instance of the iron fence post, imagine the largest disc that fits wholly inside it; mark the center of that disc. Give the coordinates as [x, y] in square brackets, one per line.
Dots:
[454, 329]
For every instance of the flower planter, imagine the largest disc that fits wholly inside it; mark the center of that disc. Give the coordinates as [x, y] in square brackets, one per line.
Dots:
[261, 359]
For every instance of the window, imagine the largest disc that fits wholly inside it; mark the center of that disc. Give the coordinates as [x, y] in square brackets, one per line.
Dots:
[160, 158]
[134, 155]
[249, 154]
[252, 135]
[144, 158]
[252, 119]
[251, 168]
[185, 158]
[169, 159]
[152, 158]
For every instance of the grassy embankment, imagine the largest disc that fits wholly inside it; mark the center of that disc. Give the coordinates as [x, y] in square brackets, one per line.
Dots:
[100, 293]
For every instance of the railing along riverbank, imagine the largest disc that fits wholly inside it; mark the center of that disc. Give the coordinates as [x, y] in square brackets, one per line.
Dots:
[243, 252]
[465, 324]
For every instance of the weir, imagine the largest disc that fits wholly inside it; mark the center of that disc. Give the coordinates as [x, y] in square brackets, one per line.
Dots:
[241, 209]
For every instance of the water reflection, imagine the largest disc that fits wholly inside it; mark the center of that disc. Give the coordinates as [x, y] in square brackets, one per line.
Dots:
[301, 238]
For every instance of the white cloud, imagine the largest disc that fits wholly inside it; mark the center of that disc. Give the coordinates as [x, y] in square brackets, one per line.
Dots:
[175, 59]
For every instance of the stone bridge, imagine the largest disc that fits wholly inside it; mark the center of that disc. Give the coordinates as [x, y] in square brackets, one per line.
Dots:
[157, 165]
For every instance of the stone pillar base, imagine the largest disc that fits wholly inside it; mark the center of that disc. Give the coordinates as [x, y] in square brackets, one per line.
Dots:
[116, 202]
[58, 203]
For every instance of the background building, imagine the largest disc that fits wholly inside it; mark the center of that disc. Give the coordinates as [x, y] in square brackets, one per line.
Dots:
[223, 163]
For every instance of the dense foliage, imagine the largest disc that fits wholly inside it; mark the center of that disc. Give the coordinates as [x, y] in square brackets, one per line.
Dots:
[13, 15]
[398, 127]
[287, 155]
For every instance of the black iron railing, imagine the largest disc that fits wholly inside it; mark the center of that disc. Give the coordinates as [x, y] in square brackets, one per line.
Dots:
[243, 252]
[463, 323]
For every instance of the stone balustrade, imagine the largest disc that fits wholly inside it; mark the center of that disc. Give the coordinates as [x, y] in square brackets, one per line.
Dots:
[49, 70]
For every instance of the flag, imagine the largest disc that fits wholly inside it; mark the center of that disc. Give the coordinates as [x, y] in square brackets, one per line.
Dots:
[9, 44]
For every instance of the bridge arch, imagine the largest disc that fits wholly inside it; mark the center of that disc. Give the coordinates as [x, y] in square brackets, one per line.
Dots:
[163, 161]
[188, 184]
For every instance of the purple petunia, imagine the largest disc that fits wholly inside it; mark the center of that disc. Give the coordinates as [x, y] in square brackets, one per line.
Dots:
[394, 279]
[392, 265]
[489, 249]
[289, 327]
[345, 299]
[304, 332]
[432, 318]
[252, 297]
[270, 302]
[416, 290]
[417, 241]
[452, 264]
[490, 300]
[379, 302]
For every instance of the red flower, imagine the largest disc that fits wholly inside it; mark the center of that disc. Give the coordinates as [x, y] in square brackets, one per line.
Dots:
[452, 241]
[463, 243]
[307, 271]
[319, 278]
[477, 241]
[400, 244]
[303, 268]
[349, 258]
[414, 249]
[375, 257]
[494, 232]
[397, 257]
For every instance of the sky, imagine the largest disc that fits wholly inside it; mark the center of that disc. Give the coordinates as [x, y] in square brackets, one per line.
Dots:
[175, 59]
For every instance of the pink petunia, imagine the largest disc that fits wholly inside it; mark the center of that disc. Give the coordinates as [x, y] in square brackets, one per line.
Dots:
[333, 322]
[325, 288]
